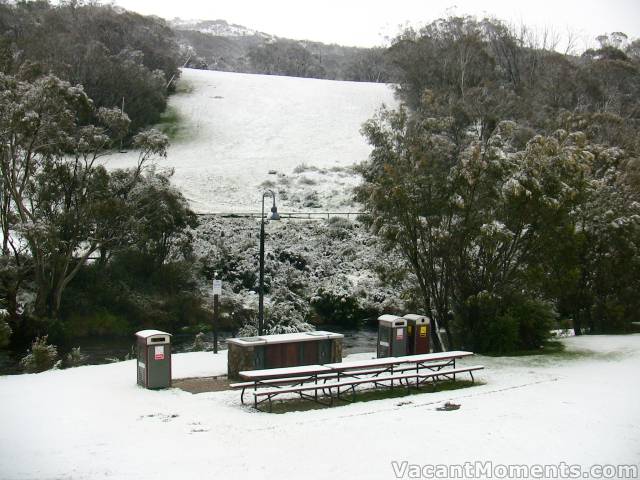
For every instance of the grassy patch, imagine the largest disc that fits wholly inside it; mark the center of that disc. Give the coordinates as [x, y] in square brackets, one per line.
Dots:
[171, 124]
[303, 167]
[553, 353]
[307, 181]
[368, 395]
[182, 86]
[552, 347]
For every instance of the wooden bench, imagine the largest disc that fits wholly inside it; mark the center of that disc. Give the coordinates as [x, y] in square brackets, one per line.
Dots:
[421, 377]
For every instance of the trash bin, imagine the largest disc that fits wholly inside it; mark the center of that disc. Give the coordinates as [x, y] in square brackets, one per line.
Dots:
[392, 336]
[418, 327]
[154, 358]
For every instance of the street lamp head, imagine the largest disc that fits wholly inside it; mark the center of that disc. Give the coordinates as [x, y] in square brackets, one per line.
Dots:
[274, 212]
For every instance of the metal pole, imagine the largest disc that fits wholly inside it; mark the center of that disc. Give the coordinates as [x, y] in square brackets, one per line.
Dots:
[274, 216]
[216, 316]
[261, 282]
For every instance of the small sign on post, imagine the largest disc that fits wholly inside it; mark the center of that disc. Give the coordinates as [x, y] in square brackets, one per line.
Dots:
[217, 287]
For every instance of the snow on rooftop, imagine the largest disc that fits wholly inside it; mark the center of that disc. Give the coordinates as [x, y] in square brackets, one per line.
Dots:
[238, 127]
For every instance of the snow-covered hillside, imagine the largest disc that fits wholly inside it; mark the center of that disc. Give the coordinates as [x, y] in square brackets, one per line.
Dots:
[236, 128]
[218, 28]
[93, 422]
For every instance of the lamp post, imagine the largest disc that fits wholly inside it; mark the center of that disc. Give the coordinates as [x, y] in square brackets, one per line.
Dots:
[274, 216]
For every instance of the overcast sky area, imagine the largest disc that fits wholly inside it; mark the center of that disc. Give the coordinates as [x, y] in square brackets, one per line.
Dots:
[366, 23]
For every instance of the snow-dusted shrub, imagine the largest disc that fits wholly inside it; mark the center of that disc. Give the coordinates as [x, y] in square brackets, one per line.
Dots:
[505, 324]
[130, 355]
[295, 259]
[286, 315]
[294, 280]
[500, 335]
[249, 329]
[339, 228]
[535, 321]
[303, 167]
[285, 318]
[311, 200]
[41, 357]
[301, 258]
[75, 358]
[307, 181]
[268, 184]
[339, 304]
[5, 330]
[198, 343]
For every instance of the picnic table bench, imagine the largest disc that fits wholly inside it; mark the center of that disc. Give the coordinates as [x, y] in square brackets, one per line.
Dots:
[331, 379]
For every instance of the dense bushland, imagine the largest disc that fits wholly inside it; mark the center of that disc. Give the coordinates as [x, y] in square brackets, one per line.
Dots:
[119, 57]
[508, 181]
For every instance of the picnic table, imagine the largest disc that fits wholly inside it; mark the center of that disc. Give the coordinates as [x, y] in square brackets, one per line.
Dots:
[331, 379]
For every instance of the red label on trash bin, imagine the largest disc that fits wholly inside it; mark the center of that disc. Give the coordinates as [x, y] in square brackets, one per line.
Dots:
[159, 353]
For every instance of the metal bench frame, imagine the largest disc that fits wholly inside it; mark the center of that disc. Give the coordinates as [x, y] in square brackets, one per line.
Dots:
[432, 377]
[360, 373]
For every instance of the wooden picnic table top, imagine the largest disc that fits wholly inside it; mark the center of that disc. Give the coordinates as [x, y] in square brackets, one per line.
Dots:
[433, 357]
[284, 372]
[374, 362]
[311, 370]
[388, 361]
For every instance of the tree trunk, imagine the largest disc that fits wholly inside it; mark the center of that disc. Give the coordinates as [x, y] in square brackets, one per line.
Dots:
[577, 323]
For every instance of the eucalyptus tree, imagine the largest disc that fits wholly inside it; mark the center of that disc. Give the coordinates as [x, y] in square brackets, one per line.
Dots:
[58, 204]
[472, 217]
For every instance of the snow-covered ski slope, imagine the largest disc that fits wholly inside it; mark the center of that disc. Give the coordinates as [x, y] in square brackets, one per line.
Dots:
[235, 128]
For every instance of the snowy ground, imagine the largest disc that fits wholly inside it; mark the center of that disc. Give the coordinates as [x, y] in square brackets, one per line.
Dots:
[238, 127]
[93, 422]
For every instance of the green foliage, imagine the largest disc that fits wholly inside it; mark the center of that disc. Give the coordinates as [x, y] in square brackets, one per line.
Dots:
[483, 71]
[162, 217]
[97, 322]
[283, 57]
[556, 192]
[340, 228]
[261, 54]
[130, 293]
[171, 124]
[115, 54]
[535, 321]
[41, 357]
[198, 343]
[54, 192]
[5, 329]
[60, 206]
[506, 325]
[500, 336]
[74, 358]
[338, 308]
[478, 217]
